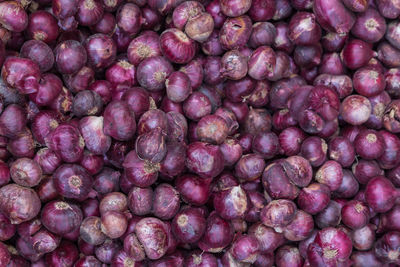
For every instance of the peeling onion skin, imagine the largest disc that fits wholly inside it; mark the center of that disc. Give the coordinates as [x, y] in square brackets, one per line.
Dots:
[16, 19]
[148, 229]
[20, 203]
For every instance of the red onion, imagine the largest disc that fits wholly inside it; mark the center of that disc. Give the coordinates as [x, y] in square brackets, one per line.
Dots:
[61, 217]
[39, 52]
[152, 73]
[341, 22]
[26, 172]
[67, 253]
[218, 234]
[14, 17]
[288, 256]
[235, 32]
[369, 26]
[364, 238]
[193, 189]
[89, 12]
[356, 54]
[140, 172]
[262, 10]
[200, 27]
[21, 73]
[176, 46]
[70, 56]
[386, 248]
[101, 50]
[165, 202]
[42, 26]
[199, 133]
[129, 18]
[330, 246]
[153, 236]
[278, 188]
[140, 200]
[113, 113]
[380, 194]
[314, 198]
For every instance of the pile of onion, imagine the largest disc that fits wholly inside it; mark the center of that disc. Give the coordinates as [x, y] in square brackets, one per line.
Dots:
[202, 133]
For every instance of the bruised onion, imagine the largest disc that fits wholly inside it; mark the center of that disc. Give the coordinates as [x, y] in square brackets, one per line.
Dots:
[303, 29]
[355, 109]
[278, 213]
[212, 129]
[101, 50]
[277, 182]
[26, 172]
[140, 200]
[128, 18]
[152, 145]
[200, 27]
[153, 236]
[113, 224]
[196, 106]
[234, 65]
[16, 19]
[300, 228]
[231, 203]
[19, 203]
[204, 159]
[22, 74]
[235, 32]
